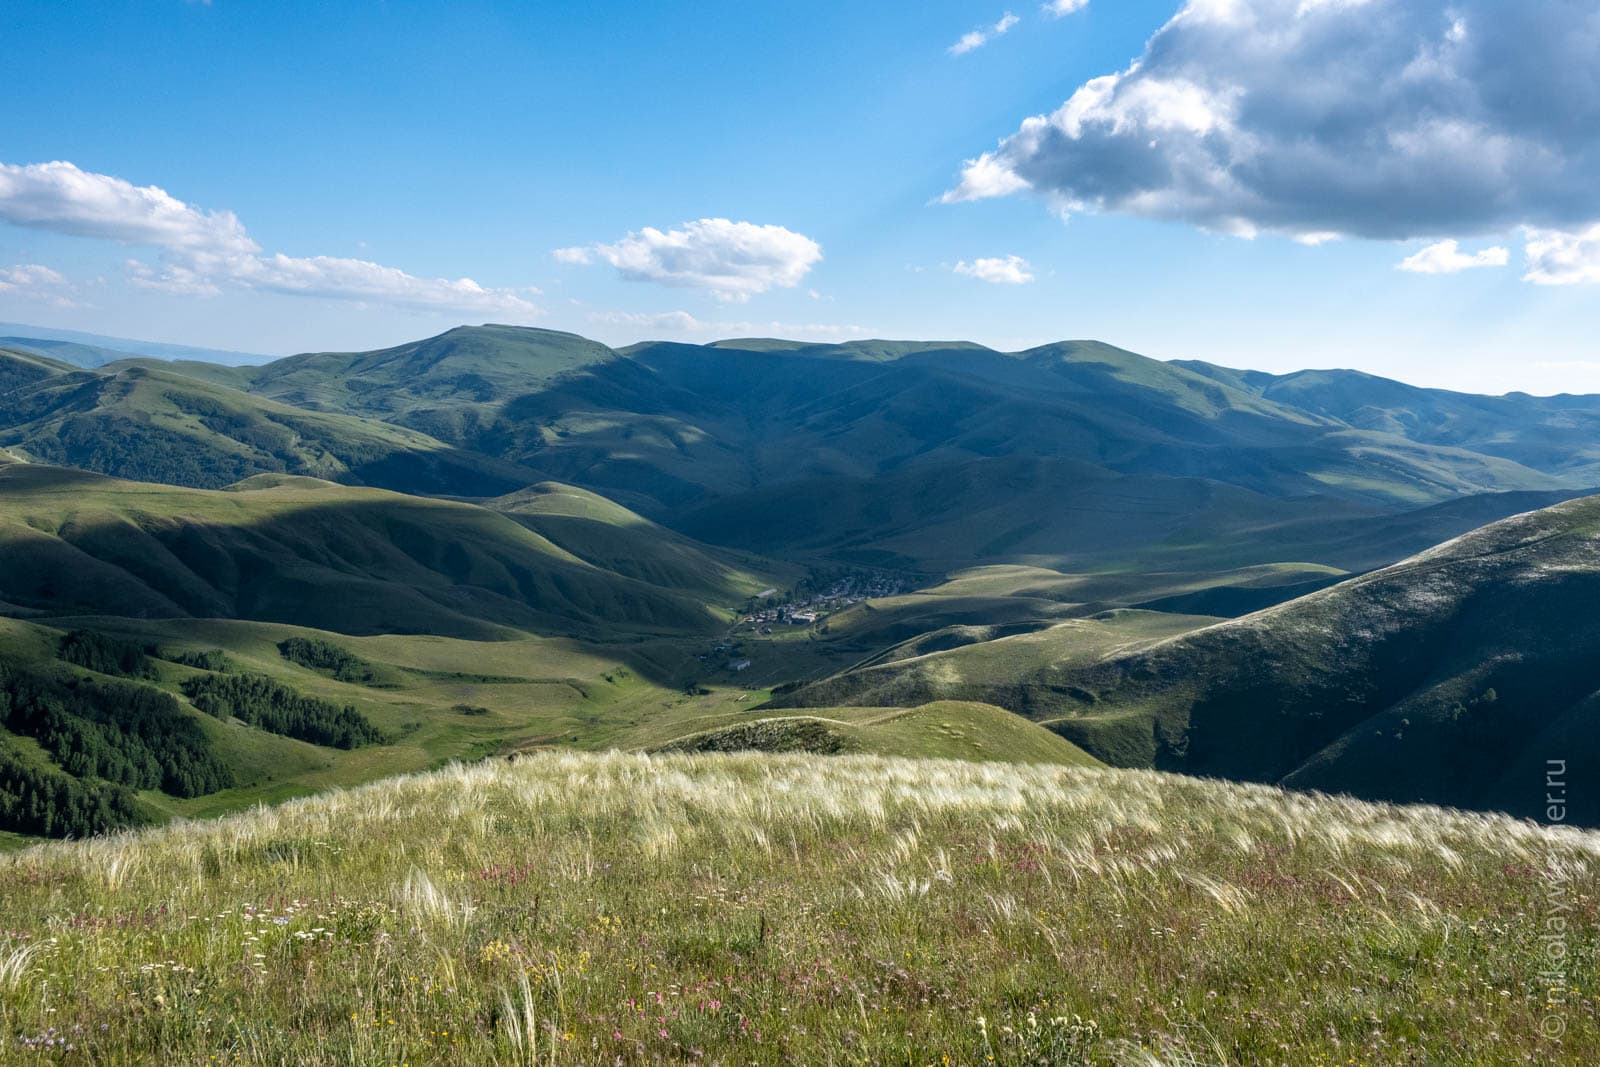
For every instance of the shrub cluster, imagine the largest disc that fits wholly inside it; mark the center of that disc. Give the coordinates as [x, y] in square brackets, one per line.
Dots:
[329, 658]
[259, 701]
[211, 659]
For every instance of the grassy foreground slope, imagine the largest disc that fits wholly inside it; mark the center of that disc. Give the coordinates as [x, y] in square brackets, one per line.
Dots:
[755, 909]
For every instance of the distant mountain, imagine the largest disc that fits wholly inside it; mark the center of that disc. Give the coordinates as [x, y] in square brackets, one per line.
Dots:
[1448, 678]
[104, 349]
[1559, 434]
[665, 426]
[911, 454]
[71, 353]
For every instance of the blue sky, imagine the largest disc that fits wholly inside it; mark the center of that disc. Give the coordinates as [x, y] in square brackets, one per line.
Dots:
[325, 165]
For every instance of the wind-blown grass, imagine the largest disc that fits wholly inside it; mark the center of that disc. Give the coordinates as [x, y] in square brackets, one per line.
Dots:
[777, 909]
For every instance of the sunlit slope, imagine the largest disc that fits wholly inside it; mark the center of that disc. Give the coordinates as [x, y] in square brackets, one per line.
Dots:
[1029, 673]
[950, 729]
[307, 552]
[610, 536]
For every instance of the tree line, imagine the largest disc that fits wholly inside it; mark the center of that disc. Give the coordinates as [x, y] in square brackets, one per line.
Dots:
[132, 735]
[36, 800]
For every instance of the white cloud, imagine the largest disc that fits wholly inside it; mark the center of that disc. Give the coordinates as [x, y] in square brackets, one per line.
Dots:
[1058, 8]
[36, 281]
[204, 251]
[979, 38]
[1446, 257]
[1389, 119]
[1009, 270]
[731, 260]
[1557, 258]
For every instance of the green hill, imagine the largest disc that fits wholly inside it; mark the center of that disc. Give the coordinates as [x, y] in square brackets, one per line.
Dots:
[155, 424]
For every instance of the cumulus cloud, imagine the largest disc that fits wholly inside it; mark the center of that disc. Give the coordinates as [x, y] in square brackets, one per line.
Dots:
[1386, 119]
[731, 260]
[1446, 257]
[204, 251]
[979, 38]
[1058, 8]
[1557, 258]
[64, 199]
[1007, 270]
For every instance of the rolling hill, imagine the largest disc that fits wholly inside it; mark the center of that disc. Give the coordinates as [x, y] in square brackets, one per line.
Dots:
[1447, 678]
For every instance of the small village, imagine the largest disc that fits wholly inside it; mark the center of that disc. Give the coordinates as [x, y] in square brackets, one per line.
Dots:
[773, 611]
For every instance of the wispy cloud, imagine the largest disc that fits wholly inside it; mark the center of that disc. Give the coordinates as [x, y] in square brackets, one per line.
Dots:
[684, 322]
[730, 260]
[997, 270]
[36, 281]
[1058, 8]
[203, 252]
[1446, 257]
[980, 37]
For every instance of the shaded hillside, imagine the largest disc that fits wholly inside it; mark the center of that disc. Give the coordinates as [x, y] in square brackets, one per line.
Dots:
[160, 425]
[305, 552]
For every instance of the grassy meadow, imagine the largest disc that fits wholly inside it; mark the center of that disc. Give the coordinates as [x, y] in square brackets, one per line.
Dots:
[610, 908]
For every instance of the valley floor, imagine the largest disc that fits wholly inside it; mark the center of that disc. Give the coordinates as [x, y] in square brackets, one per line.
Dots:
[575, 908]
